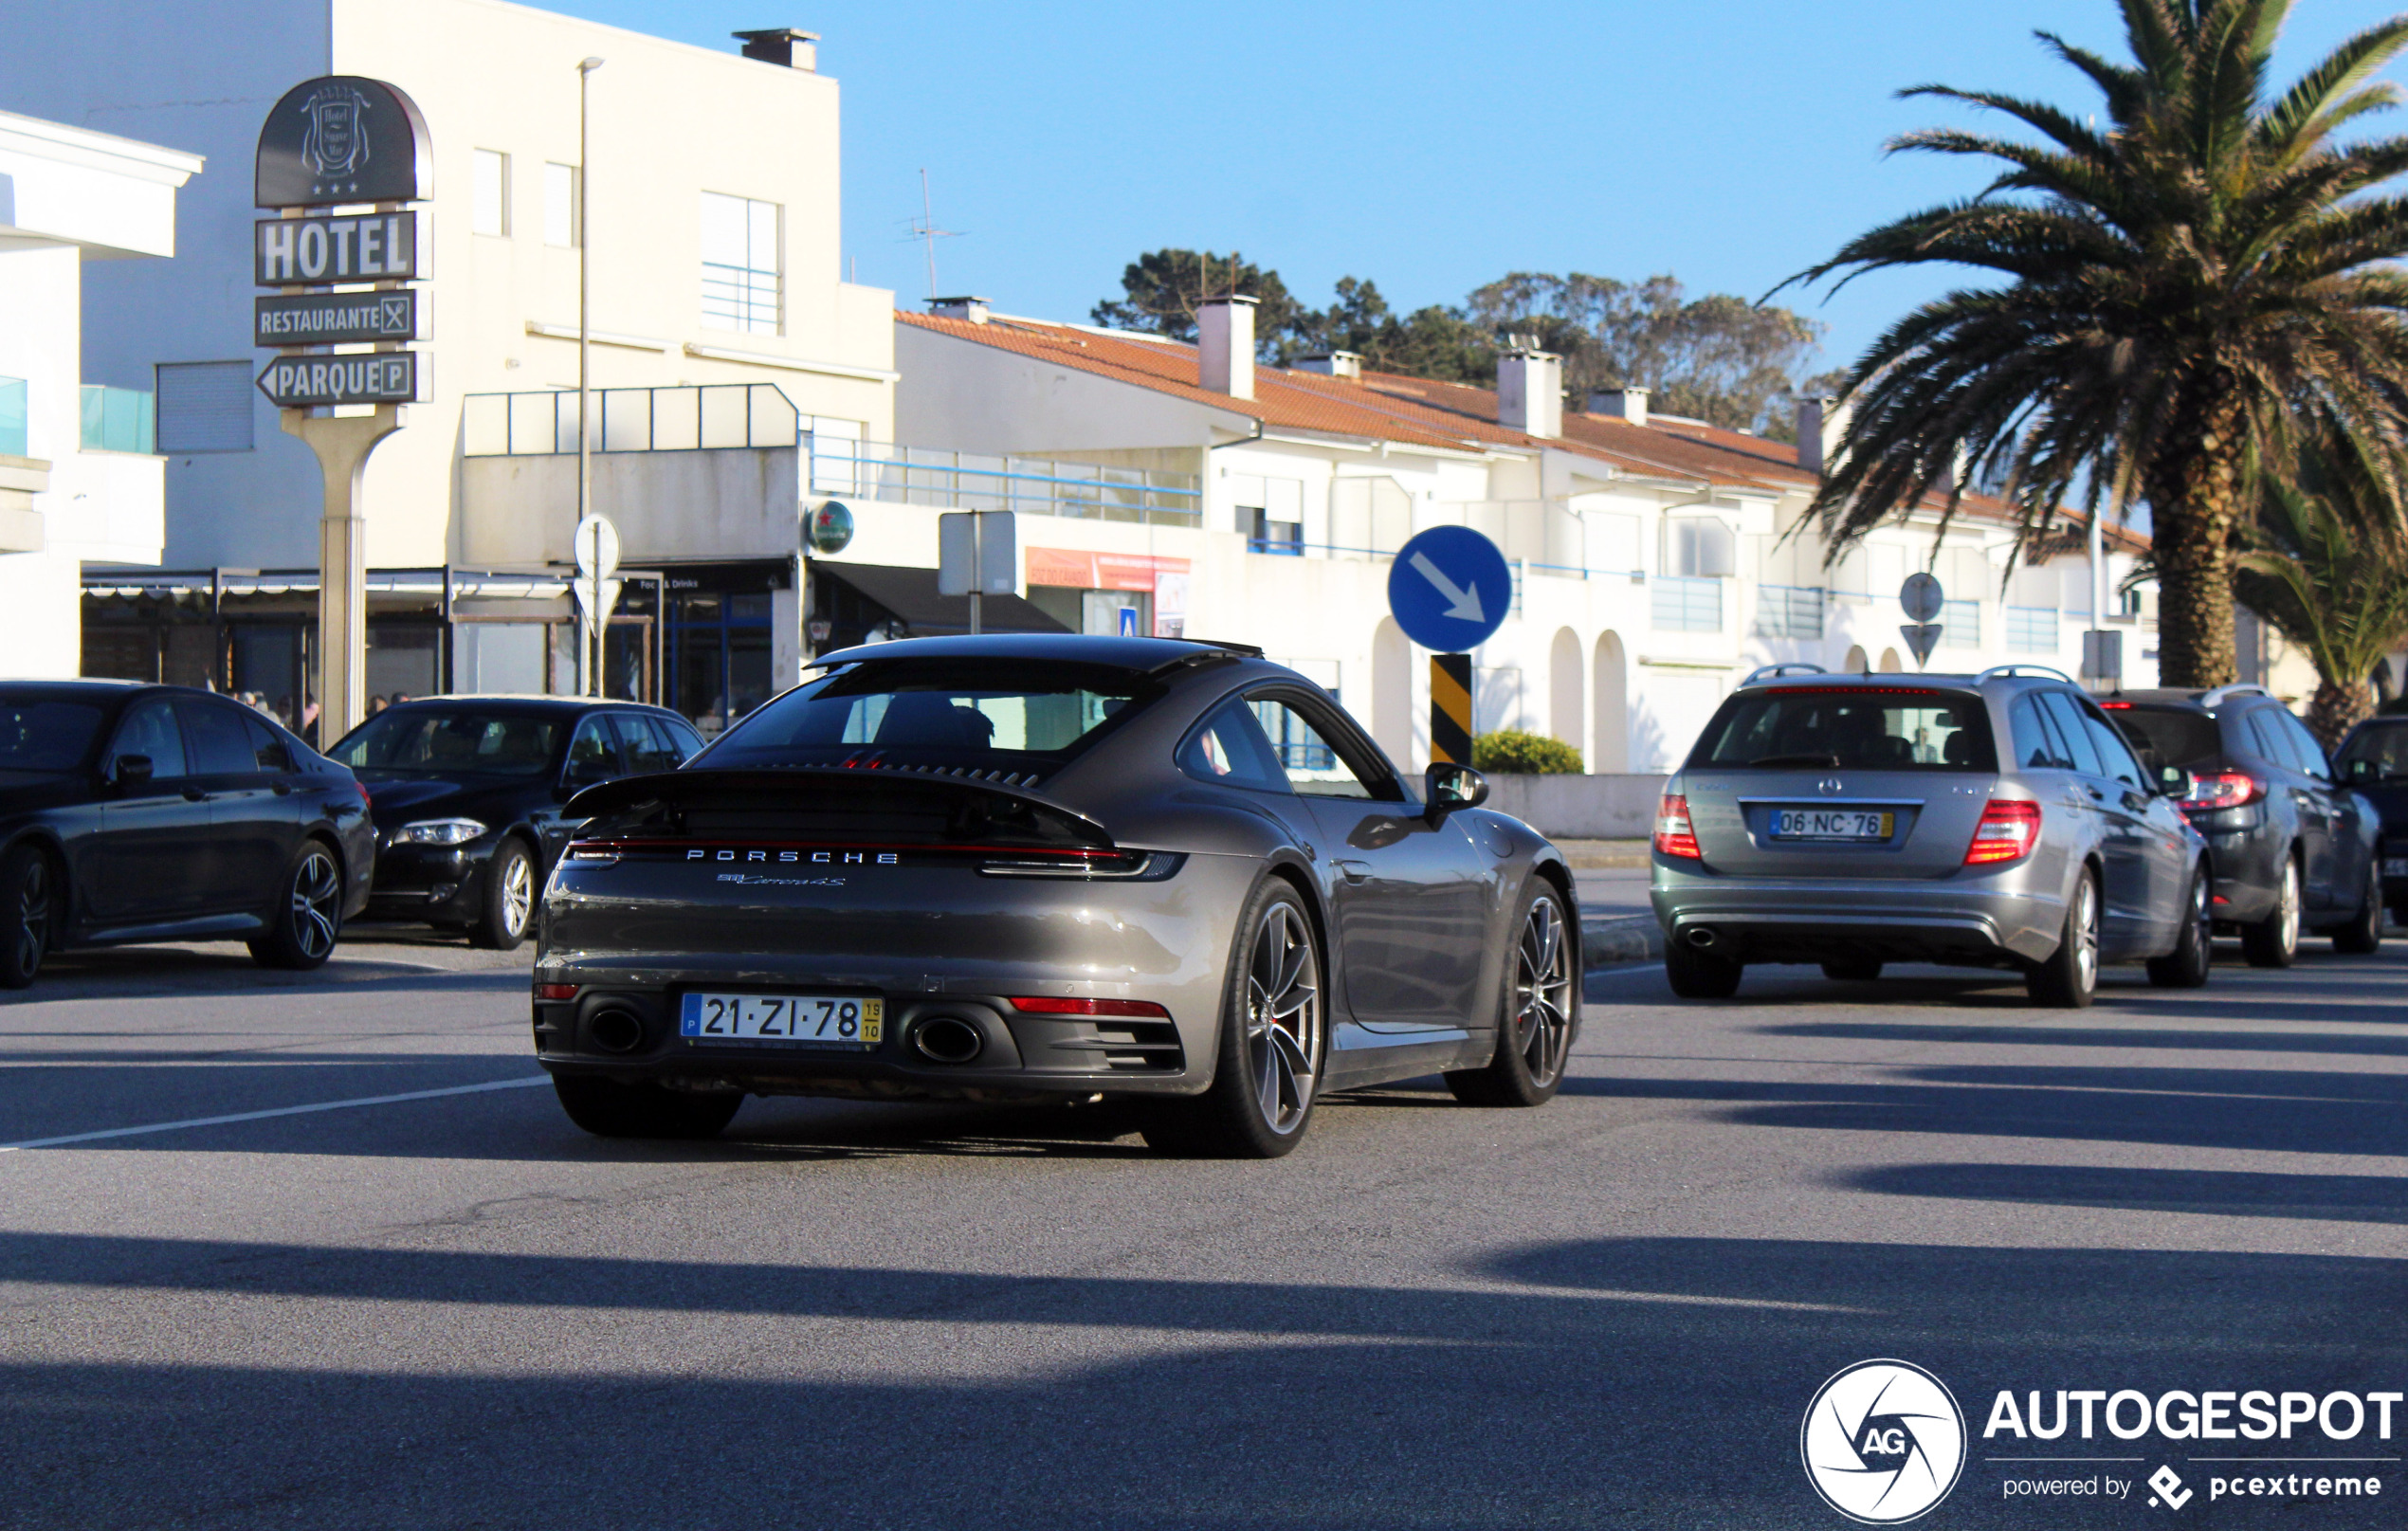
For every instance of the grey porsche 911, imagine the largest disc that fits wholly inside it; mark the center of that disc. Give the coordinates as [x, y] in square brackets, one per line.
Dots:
[1033, 868]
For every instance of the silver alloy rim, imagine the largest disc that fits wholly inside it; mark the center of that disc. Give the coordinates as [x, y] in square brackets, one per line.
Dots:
[316, 904]
[518, 894]
[2199, 922]
[1542, 993]
[2086, 954]
[2287, 925]
[1282, 1017]
[33, 916]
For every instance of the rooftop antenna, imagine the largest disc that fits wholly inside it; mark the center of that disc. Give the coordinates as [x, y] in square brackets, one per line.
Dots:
[926, 231]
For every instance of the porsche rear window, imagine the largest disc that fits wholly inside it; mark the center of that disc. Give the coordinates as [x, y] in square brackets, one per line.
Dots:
[1014, 717]
[1850, 728]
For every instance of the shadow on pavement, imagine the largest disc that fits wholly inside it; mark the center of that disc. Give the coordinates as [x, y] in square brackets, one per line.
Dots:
[1648, 1382]
[2349, 1198]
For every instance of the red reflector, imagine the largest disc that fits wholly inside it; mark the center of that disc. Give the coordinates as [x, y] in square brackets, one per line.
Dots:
[1044, 1005]
[2117, 706]
[556, 990]
[2222, 788]
[1673, 835]
[2008, 829]
[365, 801]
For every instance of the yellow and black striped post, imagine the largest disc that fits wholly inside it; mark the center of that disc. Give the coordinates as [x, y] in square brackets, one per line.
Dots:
[1451, 708]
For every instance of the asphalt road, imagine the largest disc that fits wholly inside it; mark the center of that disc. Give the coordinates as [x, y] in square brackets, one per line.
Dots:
[456, 1310]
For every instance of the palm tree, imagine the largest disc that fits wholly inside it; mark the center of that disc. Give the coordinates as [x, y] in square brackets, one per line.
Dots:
[2328, 568]
[2182, 289]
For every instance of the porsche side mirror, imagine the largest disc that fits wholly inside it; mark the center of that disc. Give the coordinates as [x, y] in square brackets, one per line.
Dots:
[1448, 786]
[131, 771]
[2176, 783]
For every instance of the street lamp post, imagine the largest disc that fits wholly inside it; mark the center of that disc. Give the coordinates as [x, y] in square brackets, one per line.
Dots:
[585, 350]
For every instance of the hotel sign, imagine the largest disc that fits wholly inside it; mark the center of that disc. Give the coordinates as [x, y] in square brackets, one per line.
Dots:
[381, 247]
[301, 382]
[335, 318]
[343, 138]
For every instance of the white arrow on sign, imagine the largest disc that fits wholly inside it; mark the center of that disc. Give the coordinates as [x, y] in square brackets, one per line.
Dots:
[1463, 602]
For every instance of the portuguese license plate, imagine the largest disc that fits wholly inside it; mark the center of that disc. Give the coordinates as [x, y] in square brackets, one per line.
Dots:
[1831, 824]
[790, 1020]
[2396, 866]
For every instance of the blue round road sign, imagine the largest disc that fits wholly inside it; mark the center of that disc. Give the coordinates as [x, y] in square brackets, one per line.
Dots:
[1449, 589]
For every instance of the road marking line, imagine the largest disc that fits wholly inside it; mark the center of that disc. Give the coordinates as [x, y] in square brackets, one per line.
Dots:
[280, 1111]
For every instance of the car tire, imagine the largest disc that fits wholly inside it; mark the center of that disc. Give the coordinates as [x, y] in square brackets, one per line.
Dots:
[2363, 934]
[2071, 976]
[29, 914]
[2274, 942]
[607, 1109]
[307, 919]
[508, 900]
[1696, 975]
[1852, 969]
[2187, 965]
[1539, 1014]
[1274, 1037]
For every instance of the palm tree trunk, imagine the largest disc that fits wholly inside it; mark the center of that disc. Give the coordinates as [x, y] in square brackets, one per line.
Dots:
[2338, 707]
[2196, 506]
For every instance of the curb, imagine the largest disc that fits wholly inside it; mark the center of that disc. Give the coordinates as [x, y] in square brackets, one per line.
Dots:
[1628, 939]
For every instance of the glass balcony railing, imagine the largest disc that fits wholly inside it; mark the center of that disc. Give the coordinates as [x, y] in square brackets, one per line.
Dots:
[630, 420]
[120, 420]
[974, 481]
[11, 417]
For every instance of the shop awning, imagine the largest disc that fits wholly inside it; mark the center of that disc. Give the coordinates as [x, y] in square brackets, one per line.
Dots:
[911, 595]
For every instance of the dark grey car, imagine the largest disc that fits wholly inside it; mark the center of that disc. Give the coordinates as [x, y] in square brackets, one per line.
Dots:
[1990, 820]
[1050, 867]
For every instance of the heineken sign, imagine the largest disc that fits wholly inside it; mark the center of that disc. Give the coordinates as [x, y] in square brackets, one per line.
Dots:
[335, 318]
[343, 138]
[301, 382]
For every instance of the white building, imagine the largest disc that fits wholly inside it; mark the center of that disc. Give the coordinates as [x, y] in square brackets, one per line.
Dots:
[710, 208]
[1224, 499]
[78, 483]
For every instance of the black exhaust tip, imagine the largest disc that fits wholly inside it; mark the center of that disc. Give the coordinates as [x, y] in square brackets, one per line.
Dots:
[947, 1039]
[615, 1030]
[1700, 936]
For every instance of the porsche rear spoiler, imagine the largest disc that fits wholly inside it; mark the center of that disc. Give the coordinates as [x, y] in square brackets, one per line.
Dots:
[836, 804]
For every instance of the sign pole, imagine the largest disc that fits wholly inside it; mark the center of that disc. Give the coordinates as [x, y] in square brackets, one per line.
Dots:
[1451, 708]
[343, 444]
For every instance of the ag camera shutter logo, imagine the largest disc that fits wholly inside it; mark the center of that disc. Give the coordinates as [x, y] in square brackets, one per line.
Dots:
[1883, 1442]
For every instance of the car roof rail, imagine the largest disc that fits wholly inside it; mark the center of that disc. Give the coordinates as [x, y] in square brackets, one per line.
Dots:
[2050, 670]
[2223, 694]
[1774, 672]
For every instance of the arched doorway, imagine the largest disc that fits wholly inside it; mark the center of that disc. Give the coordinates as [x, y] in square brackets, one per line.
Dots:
[1611, 713]
[1566, 703]
[1855, 663]
[1391, 692]
[1889, 665]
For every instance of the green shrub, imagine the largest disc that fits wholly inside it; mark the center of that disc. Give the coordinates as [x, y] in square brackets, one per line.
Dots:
[1512, 751]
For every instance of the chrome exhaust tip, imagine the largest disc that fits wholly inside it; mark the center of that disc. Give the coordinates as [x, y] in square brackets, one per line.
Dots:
[1701, 937]
[947, 1039]
[615, 1030]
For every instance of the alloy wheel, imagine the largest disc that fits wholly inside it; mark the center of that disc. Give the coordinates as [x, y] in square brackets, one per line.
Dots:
[33, 915]
[2086, 956]
[316, 904]
[1542, 993]
[518, 894]
[2287, 931]
[1282, 1017]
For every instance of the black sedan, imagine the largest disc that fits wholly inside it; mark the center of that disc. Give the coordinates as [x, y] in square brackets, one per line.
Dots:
[2374, 760]
[1051, 867]
[134, 813]
[468, 794]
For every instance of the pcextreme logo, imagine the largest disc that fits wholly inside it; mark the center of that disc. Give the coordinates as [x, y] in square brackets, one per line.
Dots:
[1883, 1442]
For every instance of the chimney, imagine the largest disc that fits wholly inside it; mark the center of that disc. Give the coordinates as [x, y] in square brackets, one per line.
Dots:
[1822, 424]
[783, 47]
[1334, 364]
[1621, 403]
[1224, 345]
[1530, 392]
[973, 309]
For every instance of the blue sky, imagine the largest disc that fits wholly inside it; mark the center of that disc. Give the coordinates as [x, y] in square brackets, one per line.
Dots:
[1430, 148]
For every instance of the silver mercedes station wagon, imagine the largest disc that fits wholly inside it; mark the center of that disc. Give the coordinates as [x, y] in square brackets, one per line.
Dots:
[1995, 820]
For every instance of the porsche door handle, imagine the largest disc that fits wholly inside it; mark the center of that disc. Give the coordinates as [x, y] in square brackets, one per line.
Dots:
[1355, 871]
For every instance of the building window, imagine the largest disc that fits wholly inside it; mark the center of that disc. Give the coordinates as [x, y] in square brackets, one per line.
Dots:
[2032, 630]
[1699, 547]
[739, 263]
[1264, 535]
[1687, 605]
[490, 203]
[1959, 623]
[564, 213]
[204, 407]
[11, 417]
[1788, 611]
